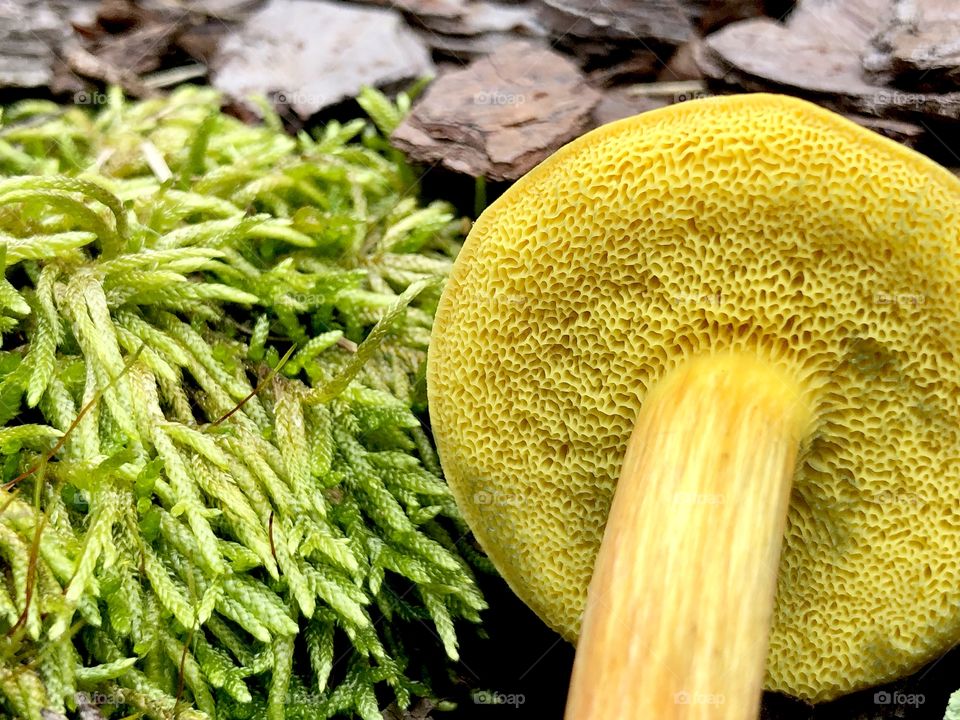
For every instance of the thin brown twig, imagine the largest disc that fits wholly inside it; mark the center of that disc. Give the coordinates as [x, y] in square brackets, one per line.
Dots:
[31, 570]
[259, 386]
[273, 548]
[181, 674]
[76, 421]
[42, 517]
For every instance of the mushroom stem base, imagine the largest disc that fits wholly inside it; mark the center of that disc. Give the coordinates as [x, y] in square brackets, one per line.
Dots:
[679, 607]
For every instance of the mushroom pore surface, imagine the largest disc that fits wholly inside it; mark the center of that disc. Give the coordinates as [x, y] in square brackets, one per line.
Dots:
[759, 224]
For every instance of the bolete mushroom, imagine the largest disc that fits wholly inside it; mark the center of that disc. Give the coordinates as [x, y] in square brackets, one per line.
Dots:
[709, 357]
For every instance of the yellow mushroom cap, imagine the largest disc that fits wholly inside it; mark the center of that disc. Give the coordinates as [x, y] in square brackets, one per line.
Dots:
[756, 223]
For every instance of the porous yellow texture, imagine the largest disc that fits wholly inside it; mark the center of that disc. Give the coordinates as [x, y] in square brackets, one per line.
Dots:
[756, 223]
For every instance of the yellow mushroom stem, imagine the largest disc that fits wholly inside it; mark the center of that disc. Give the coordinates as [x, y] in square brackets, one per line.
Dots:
[679, 606]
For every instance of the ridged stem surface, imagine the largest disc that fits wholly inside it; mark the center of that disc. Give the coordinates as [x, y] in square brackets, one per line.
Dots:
[679, 606]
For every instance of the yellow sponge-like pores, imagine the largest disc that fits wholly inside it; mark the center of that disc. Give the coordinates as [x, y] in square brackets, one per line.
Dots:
[754, 223]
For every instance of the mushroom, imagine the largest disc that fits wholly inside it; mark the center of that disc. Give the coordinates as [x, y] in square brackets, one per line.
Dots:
[694, 382]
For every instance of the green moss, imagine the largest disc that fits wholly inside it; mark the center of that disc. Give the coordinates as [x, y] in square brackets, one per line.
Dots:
[219, 494]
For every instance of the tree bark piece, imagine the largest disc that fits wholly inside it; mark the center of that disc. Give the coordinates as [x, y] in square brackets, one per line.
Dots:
[479, 18]
[619, 103]
[817, 50]
[467, 29]
[660, 21]
[122, 41]
[817, 54]
[31, 33]
[919, 48]
[500, 116]
[311, 54]
[906, 133]
[220, 10]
